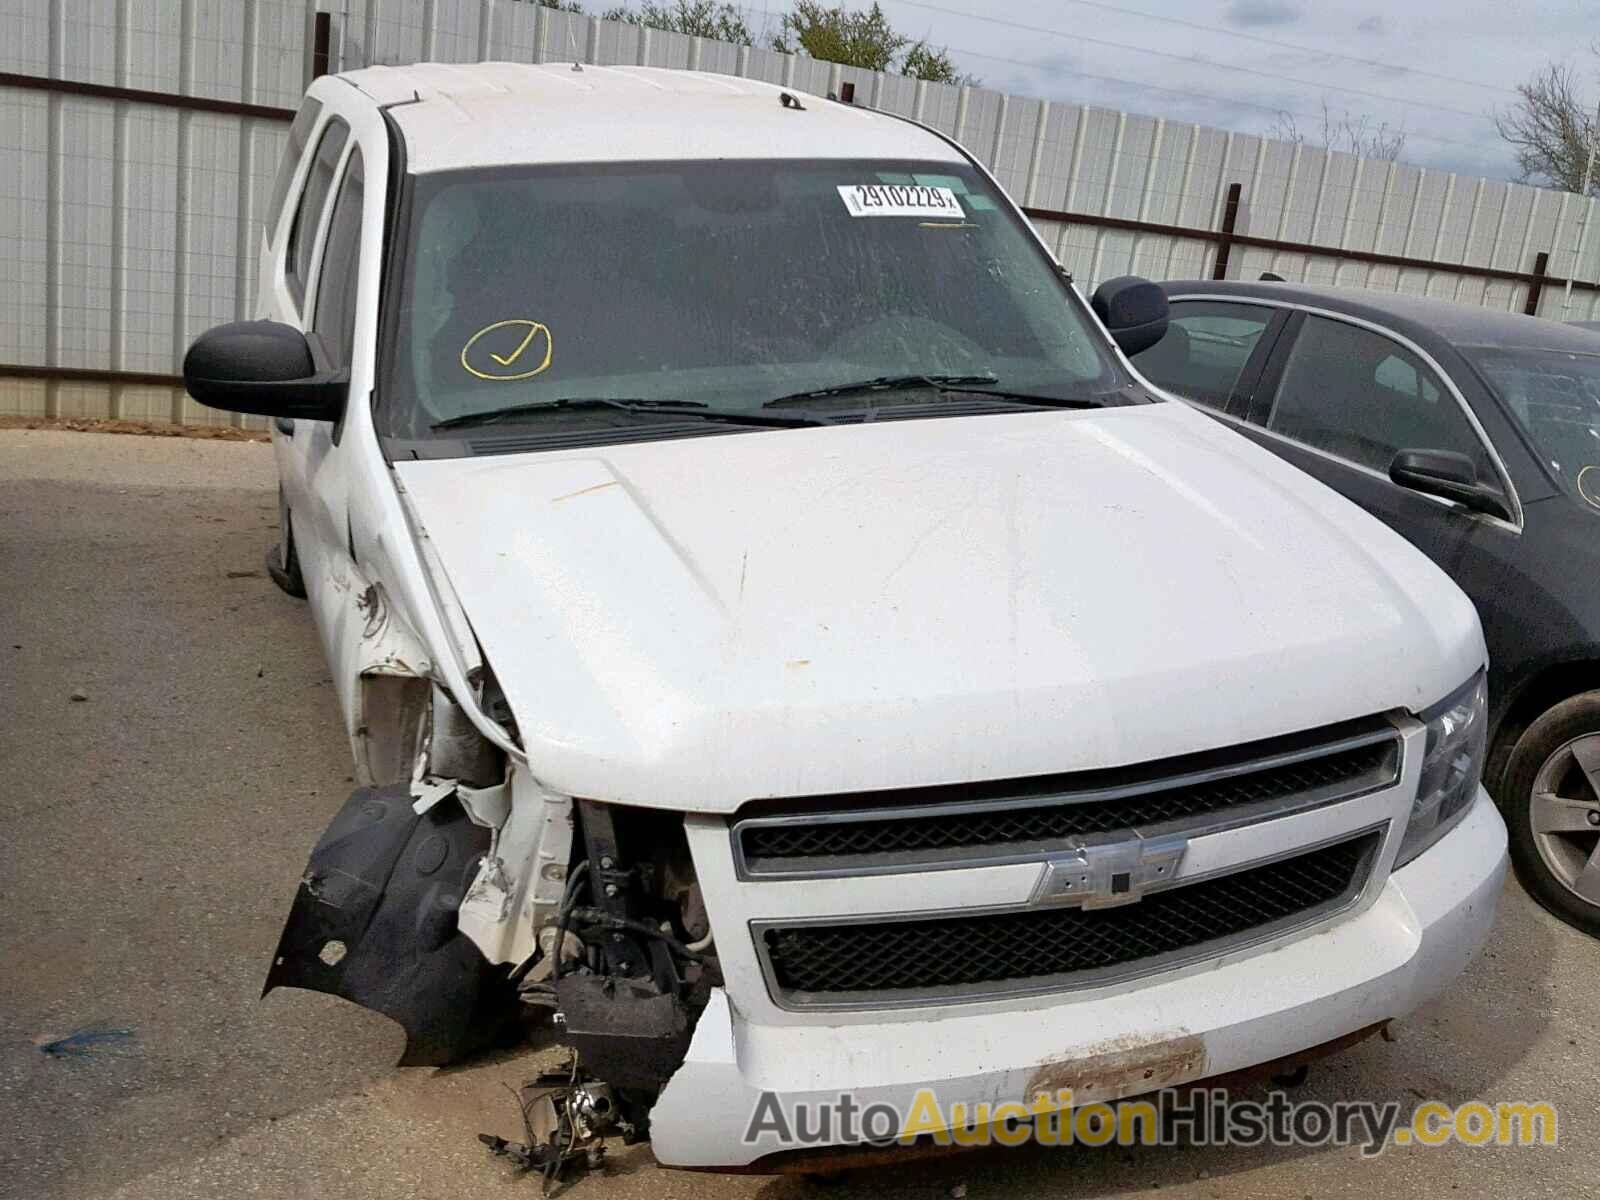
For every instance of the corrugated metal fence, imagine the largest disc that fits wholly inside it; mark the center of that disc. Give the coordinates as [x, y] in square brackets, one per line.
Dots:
[138, 139]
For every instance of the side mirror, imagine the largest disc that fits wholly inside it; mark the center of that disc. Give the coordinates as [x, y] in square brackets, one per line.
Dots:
[1448, 474]
[264, 367]
[1133, 310]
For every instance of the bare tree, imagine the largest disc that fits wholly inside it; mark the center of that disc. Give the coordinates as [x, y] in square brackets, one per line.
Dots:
[1352, 135]
[1550, 128]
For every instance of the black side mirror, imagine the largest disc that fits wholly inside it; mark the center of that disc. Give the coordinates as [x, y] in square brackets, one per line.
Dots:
[1448, 474]
[264, 367]
[1133, 310]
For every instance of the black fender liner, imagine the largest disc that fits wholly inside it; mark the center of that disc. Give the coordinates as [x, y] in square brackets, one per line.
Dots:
[374, 921]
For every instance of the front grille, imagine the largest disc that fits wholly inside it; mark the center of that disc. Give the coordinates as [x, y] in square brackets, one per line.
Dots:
[884, 960]
[918, 828]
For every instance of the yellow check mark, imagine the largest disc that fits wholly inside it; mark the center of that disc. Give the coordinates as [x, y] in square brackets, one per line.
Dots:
[504, 361]
[517, 353]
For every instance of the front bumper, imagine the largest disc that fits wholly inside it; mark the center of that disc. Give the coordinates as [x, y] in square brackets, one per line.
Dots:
[1424, 926]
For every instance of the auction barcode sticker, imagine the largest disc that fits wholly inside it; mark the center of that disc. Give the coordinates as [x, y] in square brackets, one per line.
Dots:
[899, 200]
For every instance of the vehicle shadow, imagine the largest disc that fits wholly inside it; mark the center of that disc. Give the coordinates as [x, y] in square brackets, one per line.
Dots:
[1457, 1048]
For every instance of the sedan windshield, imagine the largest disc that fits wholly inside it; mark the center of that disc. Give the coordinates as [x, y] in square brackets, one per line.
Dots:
[835, 287]
[1555, 396]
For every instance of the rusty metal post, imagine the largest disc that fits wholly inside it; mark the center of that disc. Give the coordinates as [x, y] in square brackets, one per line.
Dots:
[321, 37]
[1536, 288]
[1230, 217]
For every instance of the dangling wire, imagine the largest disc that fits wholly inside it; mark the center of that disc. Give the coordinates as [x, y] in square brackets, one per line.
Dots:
[568, 898]
[579, 873]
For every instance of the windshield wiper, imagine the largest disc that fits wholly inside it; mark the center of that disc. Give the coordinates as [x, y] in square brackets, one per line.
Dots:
[966, 385]
[885, 383]
[675, 408]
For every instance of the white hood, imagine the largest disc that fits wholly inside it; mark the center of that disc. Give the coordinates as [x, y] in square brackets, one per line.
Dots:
[695, 623]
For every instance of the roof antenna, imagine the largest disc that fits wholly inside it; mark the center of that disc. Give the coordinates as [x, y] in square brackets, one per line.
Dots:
[573, 46]
[788, 101]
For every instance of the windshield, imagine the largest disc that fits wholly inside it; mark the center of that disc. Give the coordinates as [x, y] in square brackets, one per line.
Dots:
[728, 285]
[1555, 397]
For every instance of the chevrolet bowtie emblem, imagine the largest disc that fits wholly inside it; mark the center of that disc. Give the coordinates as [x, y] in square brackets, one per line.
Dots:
[1104, 874]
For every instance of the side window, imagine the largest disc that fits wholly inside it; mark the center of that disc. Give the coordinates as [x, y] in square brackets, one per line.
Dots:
[299, 134]
[334, 316]
[1205, 349]
[313, 198]
[1356, 394]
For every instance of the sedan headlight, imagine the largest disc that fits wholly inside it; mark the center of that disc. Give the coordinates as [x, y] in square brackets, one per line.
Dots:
[1452, 765]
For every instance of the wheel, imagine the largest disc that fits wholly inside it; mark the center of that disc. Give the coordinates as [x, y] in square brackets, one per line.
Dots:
[1552, 806]
[283, 564]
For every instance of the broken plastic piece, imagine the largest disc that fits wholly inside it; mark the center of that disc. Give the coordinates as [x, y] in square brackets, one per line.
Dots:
[428, 792]
[375, 921]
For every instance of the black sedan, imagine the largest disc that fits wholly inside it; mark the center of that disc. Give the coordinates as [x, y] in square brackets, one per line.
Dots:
[1476, 434]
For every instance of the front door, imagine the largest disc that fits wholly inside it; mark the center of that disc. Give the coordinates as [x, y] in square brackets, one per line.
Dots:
[292, 299]
[1340, 400]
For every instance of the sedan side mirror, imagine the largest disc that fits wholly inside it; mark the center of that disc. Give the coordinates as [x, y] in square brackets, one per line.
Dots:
[1133, 310]
[1448, 474]
[264, 367]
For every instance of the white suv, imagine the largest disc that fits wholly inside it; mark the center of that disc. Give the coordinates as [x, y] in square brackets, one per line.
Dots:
[780, 633]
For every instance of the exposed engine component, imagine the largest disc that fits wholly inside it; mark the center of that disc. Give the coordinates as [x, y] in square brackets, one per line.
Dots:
[567, 1117]
[456, 750]
[624, 1030]
[628, 963]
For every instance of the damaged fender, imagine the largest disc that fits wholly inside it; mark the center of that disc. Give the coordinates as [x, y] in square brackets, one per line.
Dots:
[375, 922]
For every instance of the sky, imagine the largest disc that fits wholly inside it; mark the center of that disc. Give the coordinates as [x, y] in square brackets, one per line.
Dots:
[1436, 68]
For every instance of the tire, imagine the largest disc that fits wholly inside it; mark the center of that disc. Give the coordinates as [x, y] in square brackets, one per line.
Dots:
[1551, 799]
[283, 564]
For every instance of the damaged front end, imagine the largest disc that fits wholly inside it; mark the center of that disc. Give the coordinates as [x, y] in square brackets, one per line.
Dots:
[635, 966]
[627, 967]
[456, 919]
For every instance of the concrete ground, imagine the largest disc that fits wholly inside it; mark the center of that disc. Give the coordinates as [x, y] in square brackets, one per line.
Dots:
[155, 831]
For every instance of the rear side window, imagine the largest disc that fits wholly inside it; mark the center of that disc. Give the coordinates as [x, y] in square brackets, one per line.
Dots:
[313, 198]
[1354, 393]
[335, 314]
[1205, 349]
[299, 134]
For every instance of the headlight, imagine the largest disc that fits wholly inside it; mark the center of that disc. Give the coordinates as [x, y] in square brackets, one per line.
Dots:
[1452, 765]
